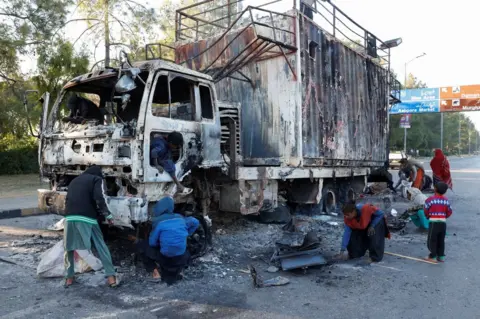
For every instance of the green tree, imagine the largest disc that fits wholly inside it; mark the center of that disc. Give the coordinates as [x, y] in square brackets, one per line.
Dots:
[58, 64]
[116, 23]
[24, 26]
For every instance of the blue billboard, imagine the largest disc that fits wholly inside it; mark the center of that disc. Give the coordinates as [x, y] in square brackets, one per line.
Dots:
[417, 101]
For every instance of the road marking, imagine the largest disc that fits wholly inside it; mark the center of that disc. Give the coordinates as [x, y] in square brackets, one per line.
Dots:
[411, 258]
[392, 268]
[157, 309]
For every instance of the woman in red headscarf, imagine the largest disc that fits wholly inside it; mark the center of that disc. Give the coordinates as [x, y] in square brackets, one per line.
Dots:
[441, 169]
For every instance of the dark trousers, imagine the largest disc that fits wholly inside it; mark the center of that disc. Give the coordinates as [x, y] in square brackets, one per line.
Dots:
[171, 267]
[436, 239]
[150, 255]
[360, 242]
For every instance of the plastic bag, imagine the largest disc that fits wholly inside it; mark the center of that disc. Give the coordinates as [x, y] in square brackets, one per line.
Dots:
[52, 262]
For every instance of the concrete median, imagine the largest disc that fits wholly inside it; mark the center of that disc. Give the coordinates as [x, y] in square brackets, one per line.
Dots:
[21, 212]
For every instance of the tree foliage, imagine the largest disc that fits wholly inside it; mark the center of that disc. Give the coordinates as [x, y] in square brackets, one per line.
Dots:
[58, 64]
[116, 23]
[25, 26]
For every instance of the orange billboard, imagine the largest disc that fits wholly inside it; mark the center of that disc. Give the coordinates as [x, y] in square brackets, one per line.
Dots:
[460, 92]
[459, 105]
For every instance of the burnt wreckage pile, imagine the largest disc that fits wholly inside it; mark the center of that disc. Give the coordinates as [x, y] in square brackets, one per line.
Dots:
[299, 247]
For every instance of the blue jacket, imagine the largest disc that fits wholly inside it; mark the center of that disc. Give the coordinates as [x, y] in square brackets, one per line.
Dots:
[160, 152]
[170, 230]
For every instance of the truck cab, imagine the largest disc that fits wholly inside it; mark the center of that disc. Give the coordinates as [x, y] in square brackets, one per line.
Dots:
[149, 98]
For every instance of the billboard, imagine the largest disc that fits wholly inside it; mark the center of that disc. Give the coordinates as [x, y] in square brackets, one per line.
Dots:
[460, 105]
[417, 101]
[405, 121]
[460, 98]
[460, 92]
[444, 99]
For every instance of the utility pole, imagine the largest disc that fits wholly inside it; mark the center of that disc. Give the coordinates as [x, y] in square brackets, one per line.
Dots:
[459, 129]
[107, 35]
[469, 139]
[476, 140]
[405, 85]
[441, 131]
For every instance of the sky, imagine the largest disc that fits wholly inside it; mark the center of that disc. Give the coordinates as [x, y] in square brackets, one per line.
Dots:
[445, 31]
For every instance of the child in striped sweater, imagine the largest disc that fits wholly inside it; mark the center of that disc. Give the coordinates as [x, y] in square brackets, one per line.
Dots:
[437, 210]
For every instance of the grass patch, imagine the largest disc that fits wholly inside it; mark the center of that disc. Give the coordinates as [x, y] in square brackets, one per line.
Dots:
[20, 185]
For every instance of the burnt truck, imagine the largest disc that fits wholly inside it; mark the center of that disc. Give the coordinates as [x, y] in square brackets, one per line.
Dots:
[275, 111]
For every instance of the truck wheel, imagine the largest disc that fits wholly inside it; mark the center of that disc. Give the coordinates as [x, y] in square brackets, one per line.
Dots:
[329, 199]
[199, 242]
[279, 215]
[358, 186]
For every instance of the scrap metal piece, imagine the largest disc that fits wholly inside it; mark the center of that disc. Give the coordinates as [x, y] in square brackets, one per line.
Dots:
[278, 255]
[258, 282]
[310, 241]
[291, 239]
[302, 261]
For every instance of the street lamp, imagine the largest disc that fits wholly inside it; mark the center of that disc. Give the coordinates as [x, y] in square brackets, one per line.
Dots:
[406, 63]
[391, 44]
[405, 85]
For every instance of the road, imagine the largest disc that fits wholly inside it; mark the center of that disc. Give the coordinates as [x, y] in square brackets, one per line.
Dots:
[394, 288]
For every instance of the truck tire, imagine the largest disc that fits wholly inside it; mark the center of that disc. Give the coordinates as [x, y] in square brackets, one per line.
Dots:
[279, 215]
[328, 203]
[200, 241]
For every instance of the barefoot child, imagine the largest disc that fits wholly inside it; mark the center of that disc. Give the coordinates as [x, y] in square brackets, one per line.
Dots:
[437, 210]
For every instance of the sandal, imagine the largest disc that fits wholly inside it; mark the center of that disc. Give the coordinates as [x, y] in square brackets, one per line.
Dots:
[66, 285]
[114, 284]
[154, 280]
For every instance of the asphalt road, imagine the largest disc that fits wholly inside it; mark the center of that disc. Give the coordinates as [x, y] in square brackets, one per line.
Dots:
[395, 288]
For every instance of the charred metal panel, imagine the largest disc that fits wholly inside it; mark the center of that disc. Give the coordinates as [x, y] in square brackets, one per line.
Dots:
[267, 111]
[344, 109]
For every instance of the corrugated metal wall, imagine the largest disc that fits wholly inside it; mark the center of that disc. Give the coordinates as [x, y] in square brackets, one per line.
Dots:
[268, 110]
[341, 108]
[344, 108]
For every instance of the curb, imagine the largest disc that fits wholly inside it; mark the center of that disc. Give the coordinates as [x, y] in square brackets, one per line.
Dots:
[25, 212]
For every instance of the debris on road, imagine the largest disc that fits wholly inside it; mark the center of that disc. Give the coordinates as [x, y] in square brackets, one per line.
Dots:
[258, 282]
[52, 262]
[14, 262]
[60, 225]
[272, 269]
[299, 246]
[210, 258]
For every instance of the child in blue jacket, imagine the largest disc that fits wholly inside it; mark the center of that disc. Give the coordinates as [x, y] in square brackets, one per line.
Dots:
[169, 233]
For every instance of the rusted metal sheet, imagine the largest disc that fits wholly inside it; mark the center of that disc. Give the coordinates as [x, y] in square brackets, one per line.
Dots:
[336, 115]
[215, 56]
[344, 107]
[268, 130]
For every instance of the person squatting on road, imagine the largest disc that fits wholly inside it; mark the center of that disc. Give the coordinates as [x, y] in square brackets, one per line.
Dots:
[365, 229]
[441, 169]
[415, 173]
[437, 210]
[161, 154]
[85, 205]
[170, 232]
[415, 211]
